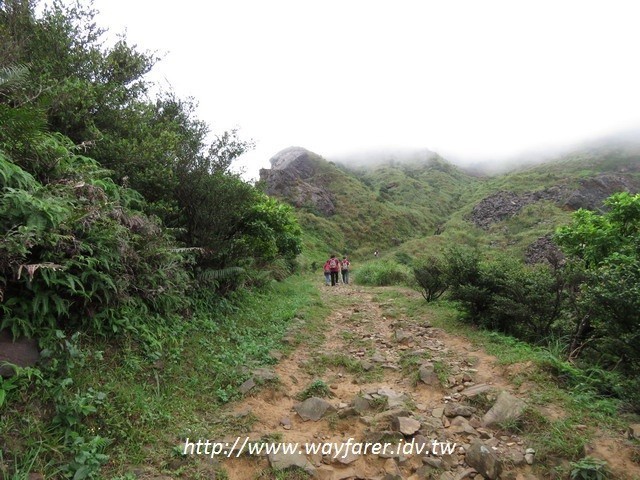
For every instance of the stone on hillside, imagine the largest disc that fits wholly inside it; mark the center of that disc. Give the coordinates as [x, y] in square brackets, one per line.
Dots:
[262, 375]
[477, 390]
[515, 458]
[385, 418]
[506, 408]
[276, 355]
[283, 461]
[345, 458]
[634, 431]
[394, 399]
[469, 472]
[457, 410]
[437, 412]
[391, 468]
[313, 408]
[433, 462]
[459, 421]
[22, 352]
[378, 358]
[286, 423]
[431, 425]
[482, 458]
[246, 386]
[428, 375]
[405, 425]
[360, 404]
[402, 336]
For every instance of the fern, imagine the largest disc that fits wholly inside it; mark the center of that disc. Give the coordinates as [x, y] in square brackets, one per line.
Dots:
[221, 274]
[11, 175]
[12, 76]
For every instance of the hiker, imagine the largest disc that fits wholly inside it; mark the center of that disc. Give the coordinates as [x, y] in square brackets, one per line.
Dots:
[327, 273]
[334, 268]
[345, 269]
[375, 254]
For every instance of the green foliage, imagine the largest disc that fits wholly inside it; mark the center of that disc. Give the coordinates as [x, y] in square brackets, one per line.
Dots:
[317, 388]
[96, 97]
[607, 305]
[383, 272]
[431, 278]
[505, 295]
[589, 468]
[73, 253]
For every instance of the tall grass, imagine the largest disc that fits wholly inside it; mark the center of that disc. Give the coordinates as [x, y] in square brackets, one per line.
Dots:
[383, 273]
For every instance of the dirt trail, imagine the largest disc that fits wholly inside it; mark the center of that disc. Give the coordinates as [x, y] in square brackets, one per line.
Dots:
[371, 351]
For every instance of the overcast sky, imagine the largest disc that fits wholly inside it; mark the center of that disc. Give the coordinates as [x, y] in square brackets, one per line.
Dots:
[472, 80]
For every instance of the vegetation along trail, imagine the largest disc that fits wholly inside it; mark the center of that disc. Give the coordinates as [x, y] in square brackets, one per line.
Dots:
[385, 367]
[154, 304]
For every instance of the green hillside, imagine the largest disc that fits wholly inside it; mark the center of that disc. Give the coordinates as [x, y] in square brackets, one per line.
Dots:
[418, 206]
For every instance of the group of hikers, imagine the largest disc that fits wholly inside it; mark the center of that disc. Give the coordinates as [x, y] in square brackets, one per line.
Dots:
[333, 267]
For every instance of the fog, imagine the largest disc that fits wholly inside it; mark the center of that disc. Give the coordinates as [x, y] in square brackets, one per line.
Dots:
[489, 83]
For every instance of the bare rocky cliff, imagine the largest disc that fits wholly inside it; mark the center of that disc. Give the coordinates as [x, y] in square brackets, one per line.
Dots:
[291, 178]
[590, 194]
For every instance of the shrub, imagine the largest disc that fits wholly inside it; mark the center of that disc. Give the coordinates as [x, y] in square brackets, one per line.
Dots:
[76, 253]
[431, 278]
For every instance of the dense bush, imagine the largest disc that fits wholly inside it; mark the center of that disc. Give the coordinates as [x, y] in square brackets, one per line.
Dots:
[506, 295]
[588, 304]
[431, 278]
[607, 306]
[77, 252]
[97, 97]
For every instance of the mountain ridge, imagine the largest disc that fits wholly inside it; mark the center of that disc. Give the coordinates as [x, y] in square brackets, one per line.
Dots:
[421, 204]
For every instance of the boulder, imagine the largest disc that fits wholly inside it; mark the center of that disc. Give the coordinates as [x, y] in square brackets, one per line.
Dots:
[428, 375]
[482, 458]
[405, 425]
[506, 408]
[313, 408]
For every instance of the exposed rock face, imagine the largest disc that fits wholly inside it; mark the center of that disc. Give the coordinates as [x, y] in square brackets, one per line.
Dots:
[590, 195]
[544, 250]
[593, 191]
[502, 205]
[291, 178]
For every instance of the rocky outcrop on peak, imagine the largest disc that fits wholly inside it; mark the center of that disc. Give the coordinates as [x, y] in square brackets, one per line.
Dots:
[291, 179]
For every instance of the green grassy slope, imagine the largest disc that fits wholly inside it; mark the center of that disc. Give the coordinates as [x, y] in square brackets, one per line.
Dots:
[398, 207]
[382, 207]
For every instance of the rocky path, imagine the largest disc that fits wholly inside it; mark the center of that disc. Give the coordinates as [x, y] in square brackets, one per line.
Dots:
[372, 376]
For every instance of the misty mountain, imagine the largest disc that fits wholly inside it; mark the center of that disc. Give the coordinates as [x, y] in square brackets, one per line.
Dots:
[418, 202]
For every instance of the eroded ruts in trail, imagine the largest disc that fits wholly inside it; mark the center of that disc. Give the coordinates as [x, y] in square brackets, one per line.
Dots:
[393, 380]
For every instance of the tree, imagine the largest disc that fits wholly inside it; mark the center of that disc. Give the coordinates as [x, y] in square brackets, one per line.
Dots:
[609, 247]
